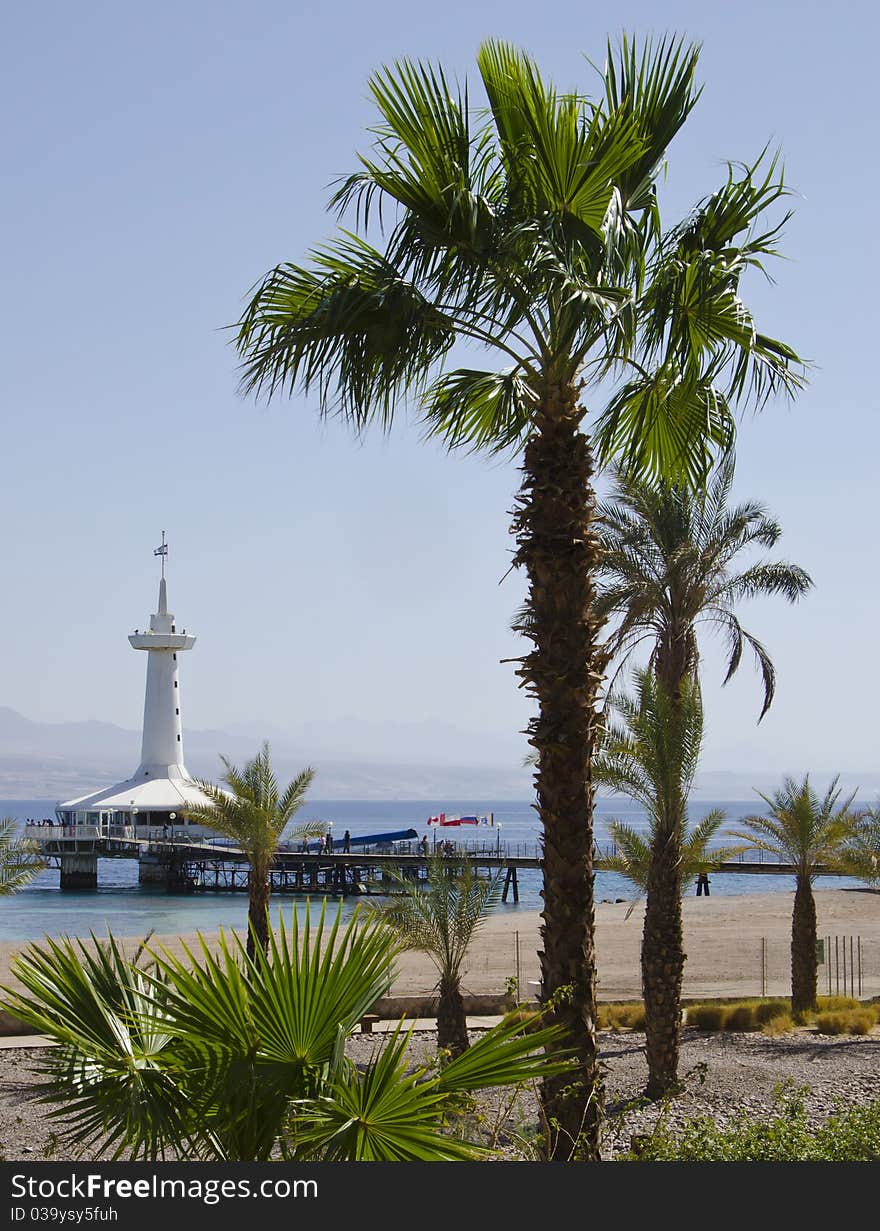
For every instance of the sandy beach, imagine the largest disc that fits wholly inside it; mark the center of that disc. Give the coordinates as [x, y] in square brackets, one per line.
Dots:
[729, 940]
[736, 946]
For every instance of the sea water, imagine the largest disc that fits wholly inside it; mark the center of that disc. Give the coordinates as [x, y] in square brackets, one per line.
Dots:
[122, 906]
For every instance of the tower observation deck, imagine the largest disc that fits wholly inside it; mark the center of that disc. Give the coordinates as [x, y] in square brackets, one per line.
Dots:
[152, 803]
[162, 743]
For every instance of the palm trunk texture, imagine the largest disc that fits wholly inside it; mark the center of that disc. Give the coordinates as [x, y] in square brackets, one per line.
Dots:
[558, 546]
[663, 955]
[258, 909]
[451, 1021]
[804, 967]
[663, 961]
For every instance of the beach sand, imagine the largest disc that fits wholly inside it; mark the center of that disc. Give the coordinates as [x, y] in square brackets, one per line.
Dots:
[736, 946]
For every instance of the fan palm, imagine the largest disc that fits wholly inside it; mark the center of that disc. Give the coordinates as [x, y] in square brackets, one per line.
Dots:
[669, 565]
[20, 859]
[254, 813]
[440, 917]
[231, 1056]
[860, 856]
[652, 756]
[530, 229]
[808, 833]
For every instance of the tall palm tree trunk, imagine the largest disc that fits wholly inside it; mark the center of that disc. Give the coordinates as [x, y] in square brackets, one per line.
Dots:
[663, 959]
[804, 977]
[258, 907]
[558, 545]
[452, 1032]
[663, 955]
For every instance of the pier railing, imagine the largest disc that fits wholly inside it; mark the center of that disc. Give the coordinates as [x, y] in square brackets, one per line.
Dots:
[113, 838]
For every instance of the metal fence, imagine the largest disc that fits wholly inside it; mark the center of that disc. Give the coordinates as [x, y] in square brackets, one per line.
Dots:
[847, 965]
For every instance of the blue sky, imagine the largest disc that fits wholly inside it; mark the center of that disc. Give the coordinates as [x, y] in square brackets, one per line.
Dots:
[160, 158]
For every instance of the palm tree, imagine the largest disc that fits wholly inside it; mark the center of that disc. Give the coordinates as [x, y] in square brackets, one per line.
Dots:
[235, 1056]
[652, 757]
[631, 856]
[669, 565]
[254, 813]
[860, 856]
[20, 858]
[530, 229]
[807, 833]
[441, 918]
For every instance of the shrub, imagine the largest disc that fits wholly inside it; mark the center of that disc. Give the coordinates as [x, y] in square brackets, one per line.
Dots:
[834, 1004]
[845, 1021]
[782, 1023]
[706, 1016]
[621, 1017]
[852, 1135]
[740, 1017]
[769, 1010]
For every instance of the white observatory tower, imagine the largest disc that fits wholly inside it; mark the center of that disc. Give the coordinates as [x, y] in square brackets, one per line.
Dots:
[162, 745]
[152, 803]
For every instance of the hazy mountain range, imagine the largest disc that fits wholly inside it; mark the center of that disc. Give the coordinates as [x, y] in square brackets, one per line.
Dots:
[353, 758]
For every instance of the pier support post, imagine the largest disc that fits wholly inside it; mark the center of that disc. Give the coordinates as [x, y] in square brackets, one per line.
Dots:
[152, 872]
[79, 871]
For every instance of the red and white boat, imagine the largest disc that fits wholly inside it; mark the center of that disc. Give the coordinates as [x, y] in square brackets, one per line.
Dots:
[445, 821]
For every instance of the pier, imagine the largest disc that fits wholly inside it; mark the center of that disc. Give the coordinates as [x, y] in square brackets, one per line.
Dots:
[187, 863]
[184, 862]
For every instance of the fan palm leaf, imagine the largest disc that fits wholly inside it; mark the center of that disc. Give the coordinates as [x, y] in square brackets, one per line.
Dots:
[229, 1056]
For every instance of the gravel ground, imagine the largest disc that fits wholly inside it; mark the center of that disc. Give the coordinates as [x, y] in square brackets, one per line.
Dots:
[724, 1074]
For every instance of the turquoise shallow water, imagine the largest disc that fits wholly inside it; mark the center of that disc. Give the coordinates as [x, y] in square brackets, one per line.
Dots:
[122, 906]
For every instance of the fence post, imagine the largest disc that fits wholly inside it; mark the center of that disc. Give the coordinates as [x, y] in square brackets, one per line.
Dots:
[860, 966]
[763, 965]
[518, 971]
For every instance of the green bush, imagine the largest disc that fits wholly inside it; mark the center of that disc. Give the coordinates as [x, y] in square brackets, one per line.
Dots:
[782, 1023]
[706, 1016]
[845, 1021]
[835, 1004]
[740, 1017]
[768, 1010]
[847, 1136]
[621, 1017]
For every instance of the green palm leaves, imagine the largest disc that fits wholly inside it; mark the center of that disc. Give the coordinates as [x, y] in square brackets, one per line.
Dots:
[652, 754]
[809, 833]
[228, 1056]
[20, 859]
[632, 856]
[531, 229]
[802, 829]
[254, 812]
[860, 856]
[670, 564]
[440, 918]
